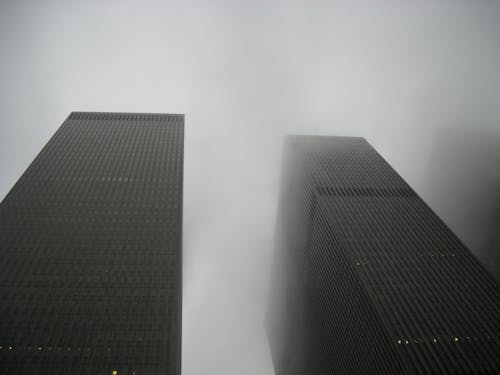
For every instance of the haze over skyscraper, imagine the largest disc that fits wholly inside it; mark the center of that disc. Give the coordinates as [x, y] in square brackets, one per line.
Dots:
[367, 278]
[91, 252]
[465, 191]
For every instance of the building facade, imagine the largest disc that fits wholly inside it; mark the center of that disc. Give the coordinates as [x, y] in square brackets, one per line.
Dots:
[367, 279]
[91, 250]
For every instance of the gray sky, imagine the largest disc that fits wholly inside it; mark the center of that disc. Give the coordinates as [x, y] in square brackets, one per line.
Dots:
[417, 79]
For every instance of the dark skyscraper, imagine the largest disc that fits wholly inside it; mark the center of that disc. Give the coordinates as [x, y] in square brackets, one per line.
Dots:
[367, 278]
[91, 253]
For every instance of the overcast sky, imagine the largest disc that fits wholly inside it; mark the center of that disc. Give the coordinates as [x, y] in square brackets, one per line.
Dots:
[420, 80]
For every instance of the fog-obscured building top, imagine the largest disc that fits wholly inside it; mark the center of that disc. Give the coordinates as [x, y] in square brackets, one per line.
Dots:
[367, 279]
[90, 250]
[463, 186]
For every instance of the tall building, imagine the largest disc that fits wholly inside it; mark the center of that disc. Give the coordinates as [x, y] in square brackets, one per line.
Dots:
[367, 278]
[91, 253]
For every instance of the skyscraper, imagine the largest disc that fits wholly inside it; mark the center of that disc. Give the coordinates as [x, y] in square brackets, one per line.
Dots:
[91, 253]
[367, 278]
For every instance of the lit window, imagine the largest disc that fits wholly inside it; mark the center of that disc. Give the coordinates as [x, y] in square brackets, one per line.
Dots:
[455, 339]
[114, 372]
[399, 342]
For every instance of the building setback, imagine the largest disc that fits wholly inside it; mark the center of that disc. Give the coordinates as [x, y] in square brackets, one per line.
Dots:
[367, 278]
[91, 253]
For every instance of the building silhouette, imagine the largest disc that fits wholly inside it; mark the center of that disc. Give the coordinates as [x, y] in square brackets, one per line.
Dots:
[367, 279]
[90, 250]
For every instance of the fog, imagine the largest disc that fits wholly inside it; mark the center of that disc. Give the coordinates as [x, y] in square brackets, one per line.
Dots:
[419, 80]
